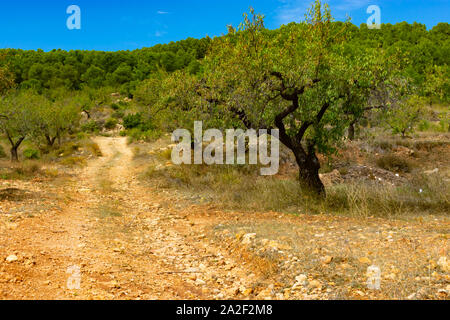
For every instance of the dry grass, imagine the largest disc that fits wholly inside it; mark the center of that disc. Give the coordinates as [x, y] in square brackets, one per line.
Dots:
[74, 161]
[422, 195]
[27, 170]
[240, 187]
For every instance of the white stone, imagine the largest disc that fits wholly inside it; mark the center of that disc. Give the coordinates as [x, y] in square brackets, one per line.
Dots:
[11, 258]
[248, 238]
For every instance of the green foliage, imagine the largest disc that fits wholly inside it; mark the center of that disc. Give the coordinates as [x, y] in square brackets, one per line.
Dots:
[20, 117]
[437, 83]
[295, 79]
[90, 127]
[137, 134]
[31, 154]
[6, 80]
[132, 121]
[402, 118]
[57, 118]
[424, 125]
[118, 115]
[76, 69]
[111, 123]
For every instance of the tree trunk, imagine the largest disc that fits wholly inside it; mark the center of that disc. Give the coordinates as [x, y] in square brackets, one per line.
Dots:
[351, 131]
[14, 147]
[14, 154]
[309, 167]
[50, 140]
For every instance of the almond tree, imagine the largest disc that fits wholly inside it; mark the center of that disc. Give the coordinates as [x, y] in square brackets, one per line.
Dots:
[19, 117]
[55, 119]
[299, 80]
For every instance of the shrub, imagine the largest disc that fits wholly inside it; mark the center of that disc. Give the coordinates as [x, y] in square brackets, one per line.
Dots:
[394, 163]
[424, 125]
[111, 123]
[81, 136]
[118, 115]
[31, 154]
[115, 107]
[148, 135]
[132, 121]
[90, 126]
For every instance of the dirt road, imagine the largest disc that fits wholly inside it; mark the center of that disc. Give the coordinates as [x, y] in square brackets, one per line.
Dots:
[126, 241]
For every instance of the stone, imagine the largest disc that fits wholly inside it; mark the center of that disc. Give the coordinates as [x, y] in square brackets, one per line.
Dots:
[248, 238]
[327, 259]
[429, 172]
[12, 258]
[301, 280]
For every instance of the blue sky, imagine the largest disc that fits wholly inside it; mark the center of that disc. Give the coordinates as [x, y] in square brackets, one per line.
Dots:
[121, 25]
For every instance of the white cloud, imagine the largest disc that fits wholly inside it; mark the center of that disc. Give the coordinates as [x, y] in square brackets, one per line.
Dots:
[294, 10]
[291, 10]
[162, 12]
[159, 33]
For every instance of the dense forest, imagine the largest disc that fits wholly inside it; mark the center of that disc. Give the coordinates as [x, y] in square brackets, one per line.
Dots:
[74, 70]
[427, 53]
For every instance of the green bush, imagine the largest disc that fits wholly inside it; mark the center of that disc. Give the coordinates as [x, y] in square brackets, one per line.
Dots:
[111, 123]
[118, 115]
[147, 135]
[115, 106]
[31, 154]
[132, 121]
[90, 126]
[81, 136]
[424, 125]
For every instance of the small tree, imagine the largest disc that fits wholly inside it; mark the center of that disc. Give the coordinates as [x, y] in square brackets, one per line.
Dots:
[19, 117]
[437, 83]
[55, 119]
[403, 117]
